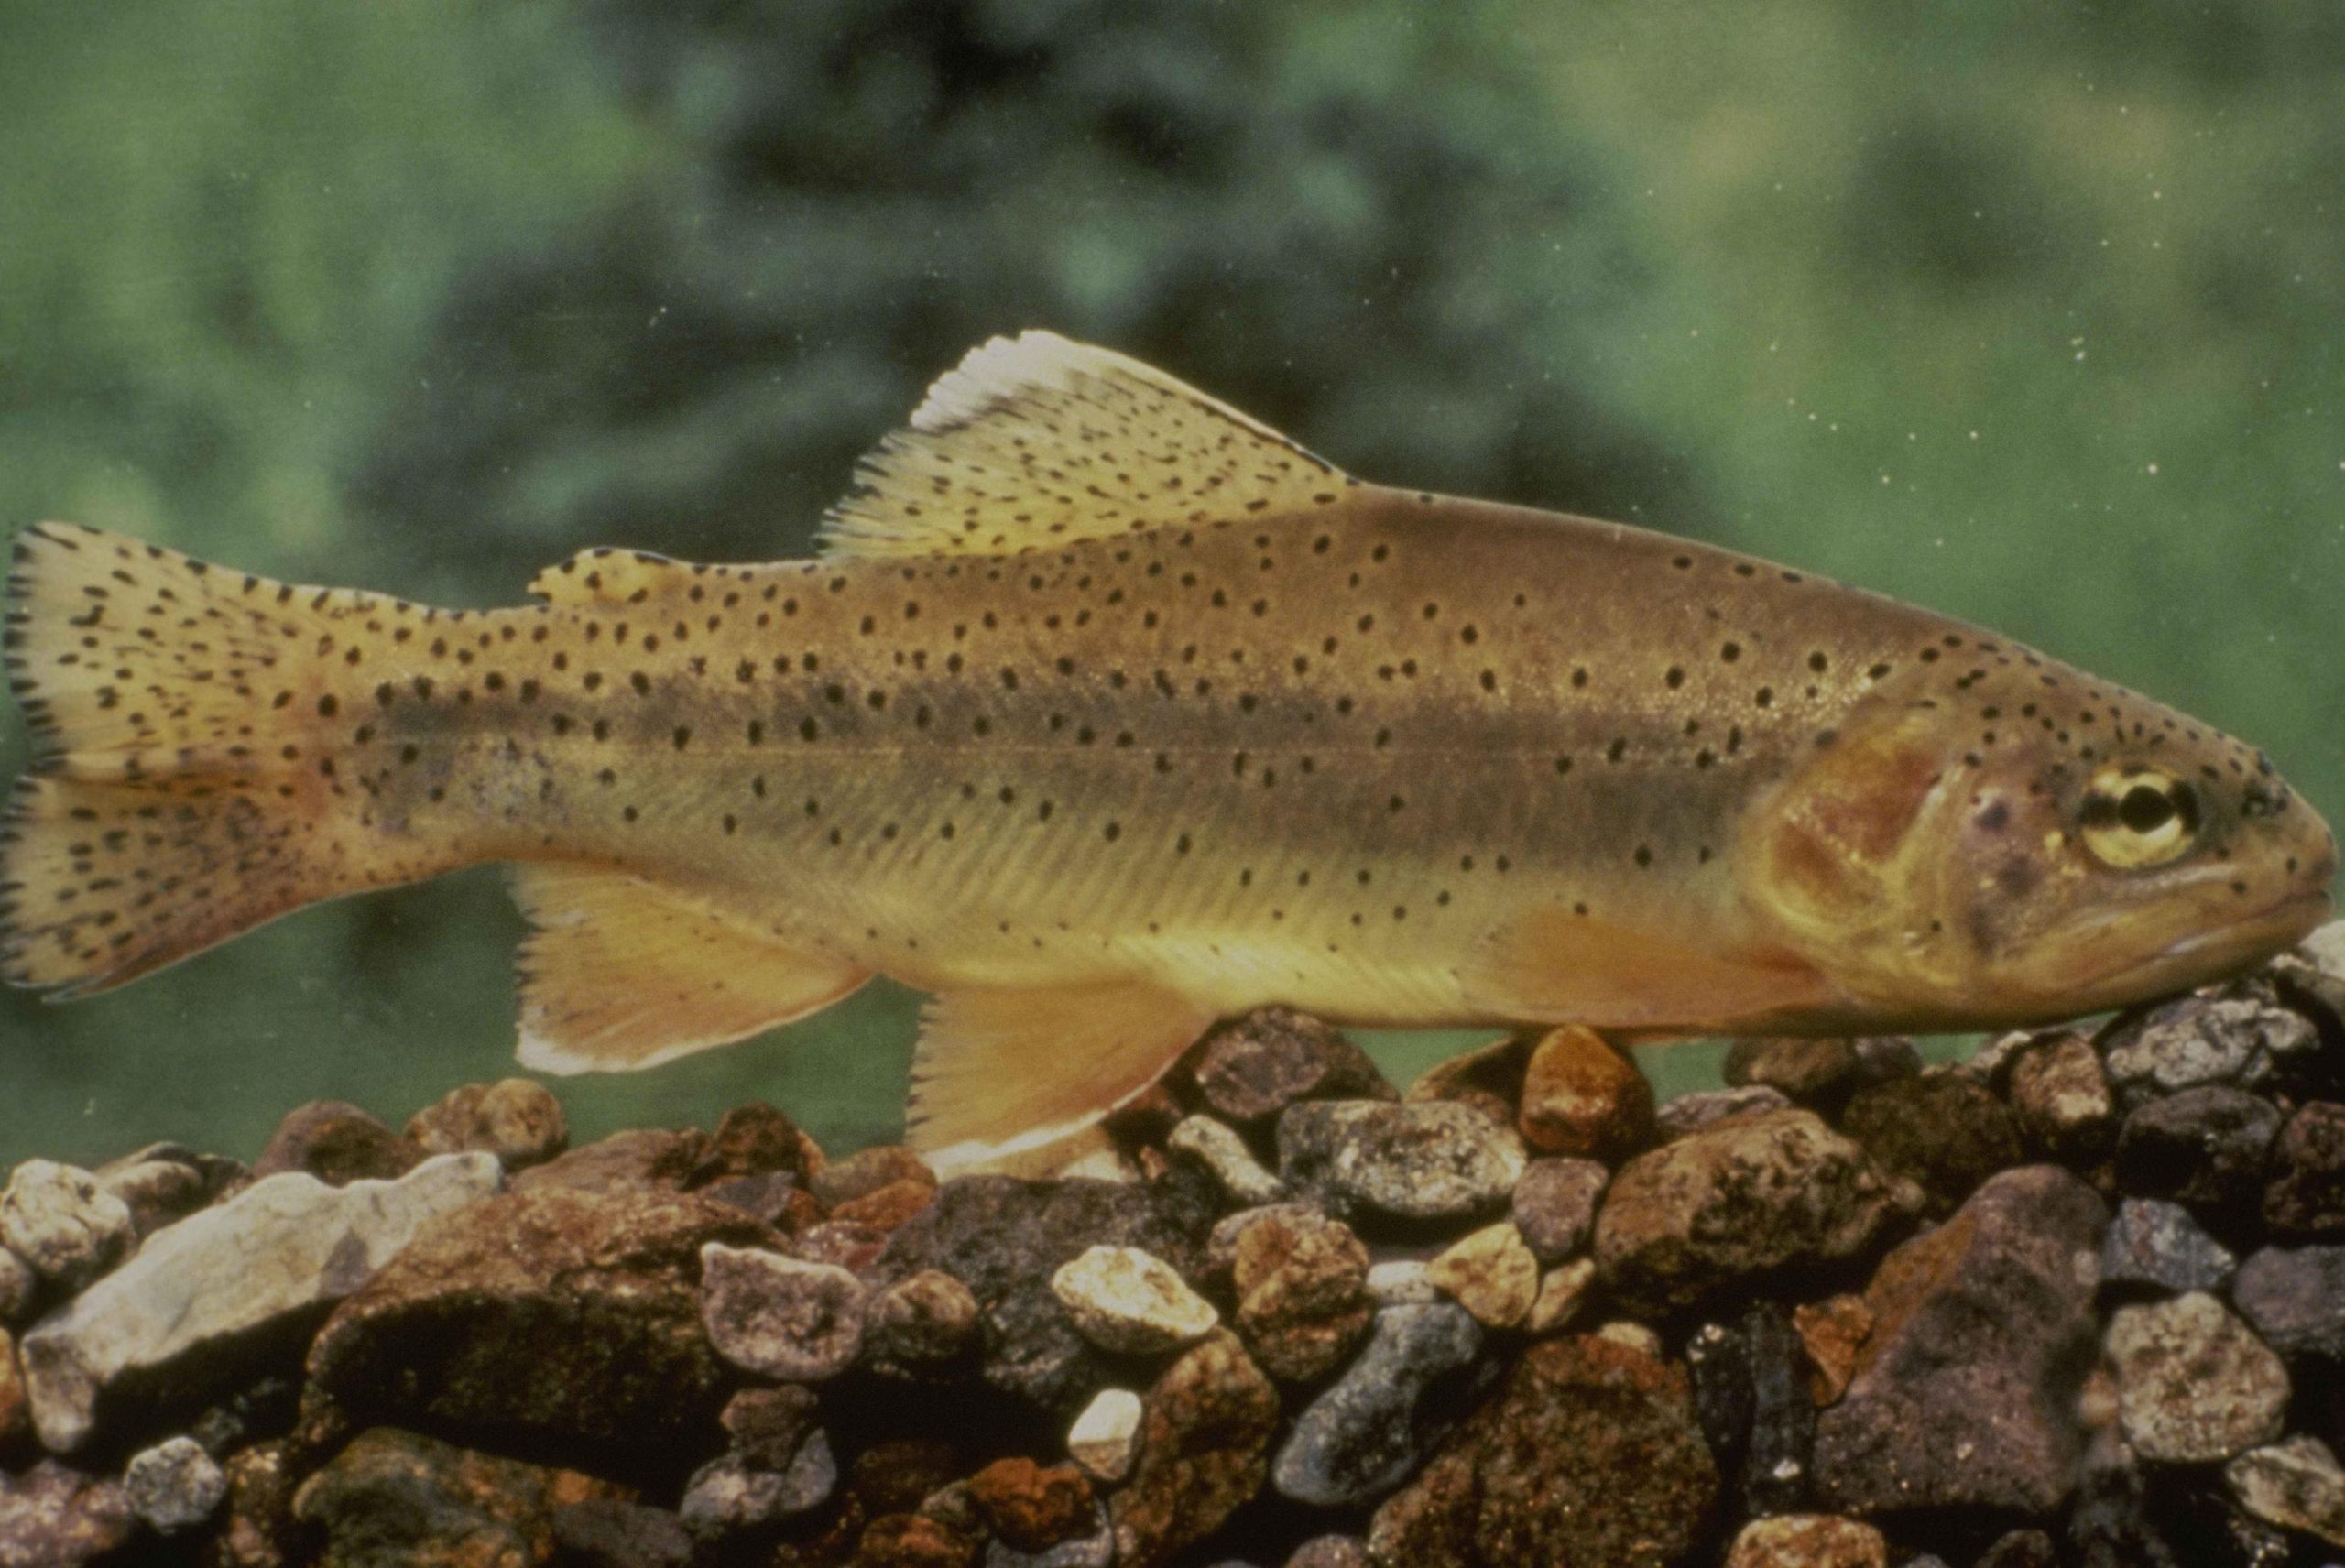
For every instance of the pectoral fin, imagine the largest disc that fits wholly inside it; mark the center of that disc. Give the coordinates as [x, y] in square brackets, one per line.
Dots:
[620, 973]
[1551, 966]
[1001, 1072]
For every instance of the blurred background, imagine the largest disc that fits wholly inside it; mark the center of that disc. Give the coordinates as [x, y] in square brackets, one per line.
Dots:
[2034, 312]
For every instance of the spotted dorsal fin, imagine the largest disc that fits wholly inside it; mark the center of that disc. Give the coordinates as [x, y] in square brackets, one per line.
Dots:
[607, 576]
[1034, 441]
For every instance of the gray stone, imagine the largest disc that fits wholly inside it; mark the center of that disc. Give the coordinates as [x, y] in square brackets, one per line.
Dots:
[517, 1119]
[282, 1248]
[1217, 1146]
[2194, 1384]
[727, 1497]
[52, 1516]
[1422, 1160]
[768, 1426]
[174, 1486]
[59, 1219]
[1330, 1551]
[1401, 1283]
[778, 1317]
[2204, 1039]
[2294, 1297]
[2202, 1147]
[1250, 1068]
[606, 1533]
[2295, 1483]
[1554, 1205]
[1689, 1114]
[2156, 1244]
[1368, 1431]
[165, 1182]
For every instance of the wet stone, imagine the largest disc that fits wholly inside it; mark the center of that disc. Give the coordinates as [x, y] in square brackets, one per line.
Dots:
[1833, 1332]
[1250, 1068]
[920, 1322]
[1202, 1452]
[337, 1143]
[1751, 1395]
[256, 1528]
[52, 1516]
[730, 1497]
[2295, 1483]
[1563, 1291]
[768, 1426]
[779, 1317]
[1490, 1273]
[1583, 1099]
[1301, 1281]
[1104, 1435]
[63, 1224]
[1366, 1433]
[1420, 1160]
[645, 1161]
[2295, 1298]
[2305, 1197]
[774, 1199]
[840, 1244]
[1400, 1283]
[2201, 1147]
[1554, 1204]
[1129, 1301]
[2062, 1100]
[174, 1486]
[1330, 1551]
[1810, 1071]
[914, 1475]
[2159, 1246]
[1488, 1080]
[2240, 1038]
[1940, 1131]
[1689, 1114]
[2194, 1384]
[15, 1404]
[516, 1119]
[605, 1532]
[394, 1496]
[1217, 1146]
[756, 1139]
[1808, 1540]
[914, 1541]
[164, 1183]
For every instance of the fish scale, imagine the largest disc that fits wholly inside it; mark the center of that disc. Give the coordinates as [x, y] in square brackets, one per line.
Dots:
[1109, 711]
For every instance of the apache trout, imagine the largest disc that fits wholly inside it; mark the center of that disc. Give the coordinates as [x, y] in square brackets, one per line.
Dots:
[1106, 711]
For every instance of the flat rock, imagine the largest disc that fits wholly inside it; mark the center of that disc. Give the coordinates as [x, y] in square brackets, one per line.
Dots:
[1966, 1393]
[2194, 1384]
[778, 1317]
[516, 1119]
[2305, 1199]
[174, 1323]
[1490, 1273]
[1744, 1198]
[1202, 1452]
[52, 1516]
[1941, 1131]
[1808, 1540]
[1418, 1159]
[1368, 1431]
[2062, 1101]
[398, 1500]
[1128, 1300]
[174, 1486]
[557, 1315]
[642, 1160]
[1250, 1068]
[1688, 1113]
[1104, 1436]
[2295, 1483]
[1584, 1099]
[337, 1143]
[1554, 1205]
[2294, 1297]
[2202, 1147]
[61, 1222]
[1301, 1281]
[2161, 1245]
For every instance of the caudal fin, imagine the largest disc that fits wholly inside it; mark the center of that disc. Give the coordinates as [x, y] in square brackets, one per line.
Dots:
[184, 786]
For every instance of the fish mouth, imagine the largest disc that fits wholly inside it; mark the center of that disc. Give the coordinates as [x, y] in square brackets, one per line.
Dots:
[2206, 955]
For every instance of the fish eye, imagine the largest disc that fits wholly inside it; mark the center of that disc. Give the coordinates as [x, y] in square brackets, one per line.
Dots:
[2137, 817]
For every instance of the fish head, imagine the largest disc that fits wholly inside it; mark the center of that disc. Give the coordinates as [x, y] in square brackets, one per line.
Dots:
[1951, 859]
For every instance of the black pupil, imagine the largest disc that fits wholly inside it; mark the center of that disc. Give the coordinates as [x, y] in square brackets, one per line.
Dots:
[2145, 809]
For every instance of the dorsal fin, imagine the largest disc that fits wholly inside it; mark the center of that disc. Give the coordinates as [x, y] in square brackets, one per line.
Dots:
[1035, 441]
[607, 576]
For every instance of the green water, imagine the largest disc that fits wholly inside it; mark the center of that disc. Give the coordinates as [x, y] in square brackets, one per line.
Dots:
[2032, 313]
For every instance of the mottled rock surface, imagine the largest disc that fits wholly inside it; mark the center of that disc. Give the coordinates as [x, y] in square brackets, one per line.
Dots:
[1202, 1452]
[1126, 1299]
[1583, 1099]
[1420, 1160]
[2161, 1246]
[53, 1517]
[1301, 1281]
[779, 1317]
[337, 1143]
[2294, 1297]
[1364, 1436]
[1250, 1070]
[63, 1223]
[396, 1497]
[516, 1119]
[2194, 1384]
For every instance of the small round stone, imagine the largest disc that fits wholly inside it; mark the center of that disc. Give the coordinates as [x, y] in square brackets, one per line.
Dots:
[174, 1486]
[779, 1317]
[1127, 1299]
[63, 1223]
[2194, 1384]
[1104, 1435]
[1492, 1274]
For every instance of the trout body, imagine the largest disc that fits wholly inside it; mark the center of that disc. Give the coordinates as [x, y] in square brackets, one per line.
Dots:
[1108, 711]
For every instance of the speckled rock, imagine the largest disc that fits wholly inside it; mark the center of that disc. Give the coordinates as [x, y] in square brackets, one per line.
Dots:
[1419, 1159]
[2305, 1200]
[606, 1533]
[59, 1220]
[2194, 1384]
[1563, 1291]
[1330, 1551]
[2160, 1245]
[1400, 1283]
[1218, 1148]
[1250, 1068]
[517, 1119]
[754, 1139]
[778, 1317]
[398, 1500]
[1737, 1200]
[1126, 1299]
[1752, 1398]
[2294, 1297]
[1554, 1204]
[19, 1288]
[1967, 1391]
[1940, 1131]
[1833, 1332]
[866, 1171]
[2236, 1037]
[52, 1516]
[1367, 1430]
[174, 1486]
[1490, 1273]
[1583, 1099]
[564, 1315]
[1808, 1540]
[255, 1526]
[920, 1323]
[1688, 1113]
[1202, 1452]
[2202, 1147]
[2062, 1099]
[166, 1326]
[337, 1143]
[165, 1182]
[1032, 1507]
[1104, 1436]
[645, 1161]
[1301, 1281]
[729, 1496]
[2295, 1483]
[1811, 1070]
[914, 1541]
[1488, 1079]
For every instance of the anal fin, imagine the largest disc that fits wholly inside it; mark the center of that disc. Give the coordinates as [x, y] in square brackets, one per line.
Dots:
[1001, 1074]
[619, 972]
[1551, 966]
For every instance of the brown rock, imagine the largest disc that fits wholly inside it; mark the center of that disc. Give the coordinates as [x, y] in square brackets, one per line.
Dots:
[167, 1182]
[769, 1425]
[255, 1526]
[1490, 1273]
[337, 1143]
[1943, 1131]
[2062, 1098]
[517, 1119]
[1488, 1079]
[1430, 1522]
[843, 1244]
[16, 1405]
[1032, 1507]
[1250, 1068]
[893, 1477]
[399, 1496]
[887, 1208]
[1302, 1301]
[1810, 1071]
[914, 1541]
[1563, 1291]
[52, 1516]
[1832, 1331]
[867, 1171]
[755, 1139]
[2306, 1198]
[647, 1160]
[1808, 1540]
[1581, 1098]
[1204, 1451]
[920, 1323]
[551, 1312]
[1554, 1205]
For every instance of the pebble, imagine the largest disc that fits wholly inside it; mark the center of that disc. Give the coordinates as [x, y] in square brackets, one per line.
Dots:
[1490, 1273]
[2202, 1147]
[604, 1533]
[516, 1119]
[174, 1486]
[337, 1143]
[1104, 1436]
[2194, 1384]
[1752, 1398]
[1202, 1452]
[2202, 1040]
[165, 1182]
[769, 1425]
[2295, 1483]
[840, 1244]
[920, 1322]
[62, 1222]
[19, 1288]
[2159, 1245]
[644, 1160]
[1563, 1291]
[2062, 1098]
[286, 1246]
[1419, 1159]
[1740, 1199]
[1833, 1332]
[1941, 1131]
[1808, 1540]
[52, 1516]
[866, 1171]
[1689, 1114]
[1813, 1071]
[1400, 1283]
[727, 1497]
[754, 1139]
[2295, 1298]
[1581, 1098]
[1367, 1431]
[1554, 1205]
[1217, 1146]
[1330, 1551]
[1250, 1070]
[1032, 1507]
[780, 1317]
[2305, 1197]
[1130, 1301]
[1301, 1281]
